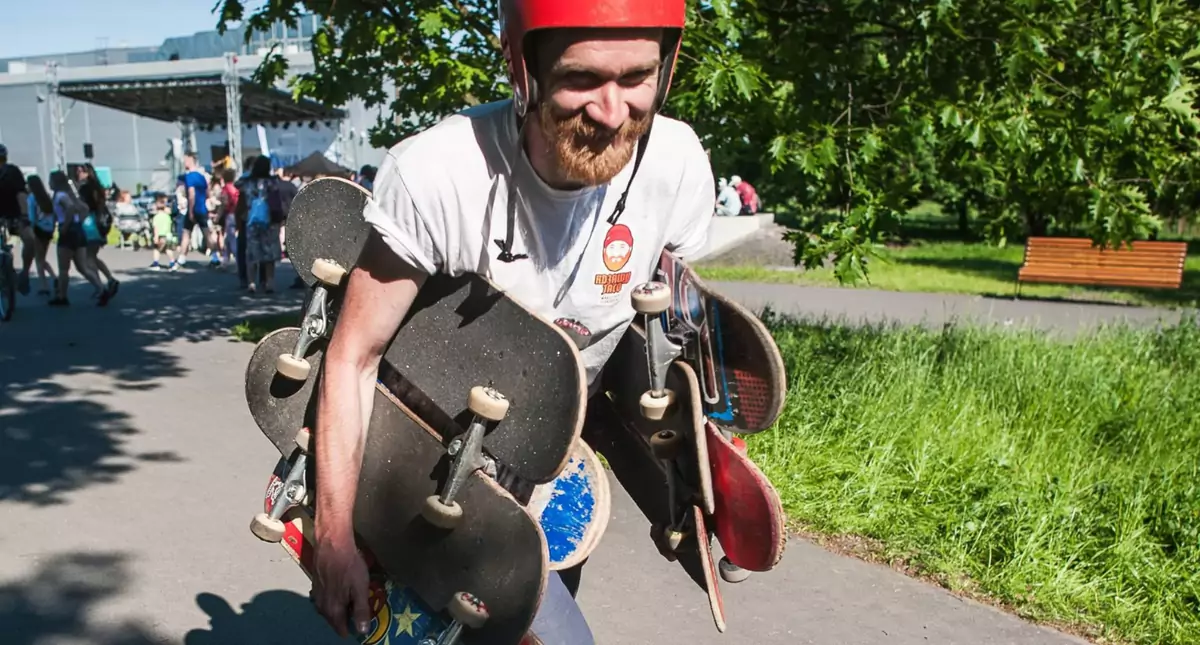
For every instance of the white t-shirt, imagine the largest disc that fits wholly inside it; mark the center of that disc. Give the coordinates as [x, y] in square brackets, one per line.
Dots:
[442, 198]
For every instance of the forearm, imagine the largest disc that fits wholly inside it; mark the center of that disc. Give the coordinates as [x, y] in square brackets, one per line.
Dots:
[376, 300]
[344, 405]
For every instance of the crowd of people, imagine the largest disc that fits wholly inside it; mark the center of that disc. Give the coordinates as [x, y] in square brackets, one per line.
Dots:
[239, 219]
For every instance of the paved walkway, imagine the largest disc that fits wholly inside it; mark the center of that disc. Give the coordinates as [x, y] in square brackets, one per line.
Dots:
[130, 467]
[936, 309]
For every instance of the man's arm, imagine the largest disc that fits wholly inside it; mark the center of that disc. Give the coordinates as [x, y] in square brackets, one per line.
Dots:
[378, 296]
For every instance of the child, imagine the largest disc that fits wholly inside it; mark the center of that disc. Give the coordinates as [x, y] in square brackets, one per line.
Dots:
[163, 226]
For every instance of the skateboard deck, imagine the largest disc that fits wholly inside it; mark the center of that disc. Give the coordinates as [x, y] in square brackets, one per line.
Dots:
[459, 333]
[748, 517]
[645, 479]
[741, 373]
[399, 616]
[574, 509]
[497, 553]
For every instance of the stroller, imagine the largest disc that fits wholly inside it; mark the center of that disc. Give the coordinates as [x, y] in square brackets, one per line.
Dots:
[132, 223]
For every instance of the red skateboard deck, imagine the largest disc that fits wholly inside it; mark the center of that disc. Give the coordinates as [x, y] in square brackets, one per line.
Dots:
[749, 519]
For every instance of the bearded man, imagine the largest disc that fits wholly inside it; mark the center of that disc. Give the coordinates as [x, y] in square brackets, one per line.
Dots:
[564, 196]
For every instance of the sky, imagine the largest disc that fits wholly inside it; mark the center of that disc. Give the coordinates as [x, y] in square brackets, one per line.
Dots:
[33, 27]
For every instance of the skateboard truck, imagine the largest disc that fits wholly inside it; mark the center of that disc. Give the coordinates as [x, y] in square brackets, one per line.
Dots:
[486, 404]
[269, 527]
[651, 300]
[465, 611]
[316, 320]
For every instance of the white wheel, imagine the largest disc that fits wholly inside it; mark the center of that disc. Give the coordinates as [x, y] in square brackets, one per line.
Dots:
[673, 539]
[651, 298]
[291, 367]
[304, 440]
[468, 610]
[731, 572]
[441, 515]
[328, 272]
[666, 444]
[487, 403]
[656, 407]
[266, 529]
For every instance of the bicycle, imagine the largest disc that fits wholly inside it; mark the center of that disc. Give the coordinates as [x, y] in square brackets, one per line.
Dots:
[8, 278]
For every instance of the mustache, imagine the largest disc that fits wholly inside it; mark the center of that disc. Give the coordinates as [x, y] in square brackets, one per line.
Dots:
[586, 133]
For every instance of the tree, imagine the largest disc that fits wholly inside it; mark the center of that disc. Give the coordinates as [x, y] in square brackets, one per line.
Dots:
[1037, 115]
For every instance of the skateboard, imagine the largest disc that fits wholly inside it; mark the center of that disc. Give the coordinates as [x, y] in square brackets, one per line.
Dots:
[741, 373]
[478, 540]
[678, 526]
[459, 333]
[400, 617]
[714, 472]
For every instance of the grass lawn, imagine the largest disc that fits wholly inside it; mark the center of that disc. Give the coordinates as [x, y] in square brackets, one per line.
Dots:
[959, 267]
[252, 330]
[1061, 478]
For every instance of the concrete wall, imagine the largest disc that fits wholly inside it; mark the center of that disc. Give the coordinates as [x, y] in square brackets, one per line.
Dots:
[725, 233]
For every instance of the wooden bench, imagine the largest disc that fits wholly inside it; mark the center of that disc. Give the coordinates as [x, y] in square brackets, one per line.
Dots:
[1063, 260]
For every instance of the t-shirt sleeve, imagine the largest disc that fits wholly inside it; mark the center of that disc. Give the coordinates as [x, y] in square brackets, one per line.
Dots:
[415, 235]
[689, 232]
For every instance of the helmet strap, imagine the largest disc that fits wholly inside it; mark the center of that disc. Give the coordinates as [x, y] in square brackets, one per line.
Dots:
[619, 209]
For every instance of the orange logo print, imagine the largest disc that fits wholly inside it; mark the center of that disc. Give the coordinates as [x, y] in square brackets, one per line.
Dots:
[618, 244]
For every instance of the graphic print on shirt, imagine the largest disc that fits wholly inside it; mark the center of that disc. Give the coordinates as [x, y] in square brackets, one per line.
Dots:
[618, 246]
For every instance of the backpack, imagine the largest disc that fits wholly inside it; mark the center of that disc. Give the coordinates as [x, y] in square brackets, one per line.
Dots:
[260, 213]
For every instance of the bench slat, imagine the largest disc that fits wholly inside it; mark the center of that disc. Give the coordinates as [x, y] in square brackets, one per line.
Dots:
[1153, 264]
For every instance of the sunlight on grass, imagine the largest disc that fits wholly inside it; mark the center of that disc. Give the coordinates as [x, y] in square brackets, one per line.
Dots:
[1061, 477]
[957, 267]
[253, 329]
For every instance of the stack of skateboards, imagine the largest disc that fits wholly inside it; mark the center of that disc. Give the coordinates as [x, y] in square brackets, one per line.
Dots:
[480, 474]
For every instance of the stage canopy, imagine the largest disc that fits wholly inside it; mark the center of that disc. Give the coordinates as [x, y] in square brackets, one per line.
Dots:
[201, 98]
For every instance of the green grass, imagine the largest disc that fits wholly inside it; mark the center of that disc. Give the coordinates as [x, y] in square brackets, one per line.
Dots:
[1061, 478]
[252, 330]
[958, 267]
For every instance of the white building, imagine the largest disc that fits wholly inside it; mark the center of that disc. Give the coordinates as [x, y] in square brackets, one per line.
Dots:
[136, 103]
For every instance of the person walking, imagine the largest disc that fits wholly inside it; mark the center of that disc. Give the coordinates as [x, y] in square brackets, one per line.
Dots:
[195, 210]
[42, 221]
[97, 223]
[260, 205]
[69, 213]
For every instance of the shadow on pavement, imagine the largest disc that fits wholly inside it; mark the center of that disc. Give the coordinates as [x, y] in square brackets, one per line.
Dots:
[53, 604]
[62, 371]
[270, 618]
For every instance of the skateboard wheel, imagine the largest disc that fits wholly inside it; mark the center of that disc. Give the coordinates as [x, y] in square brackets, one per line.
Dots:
[731, 572]
[446, 516]
[468, 610]
[673, 539]
[666, 444]
[304, 440]
[291, 367]
[487, 403]
[655, 408]
[328, 272]
[266, 528]
[651, 298]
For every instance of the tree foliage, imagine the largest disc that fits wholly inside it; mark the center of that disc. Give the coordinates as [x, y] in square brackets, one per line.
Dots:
[1031, 116]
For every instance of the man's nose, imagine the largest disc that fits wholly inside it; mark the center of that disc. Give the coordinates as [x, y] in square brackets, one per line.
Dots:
[609, 109]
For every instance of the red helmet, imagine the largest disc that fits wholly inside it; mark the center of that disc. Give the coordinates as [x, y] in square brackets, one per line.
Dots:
[520, 17]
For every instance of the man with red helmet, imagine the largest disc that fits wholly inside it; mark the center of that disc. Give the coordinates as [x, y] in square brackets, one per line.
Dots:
[564, 196]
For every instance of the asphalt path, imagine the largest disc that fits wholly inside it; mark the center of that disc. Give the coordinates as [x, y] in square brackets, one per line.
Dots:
[130, 467]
